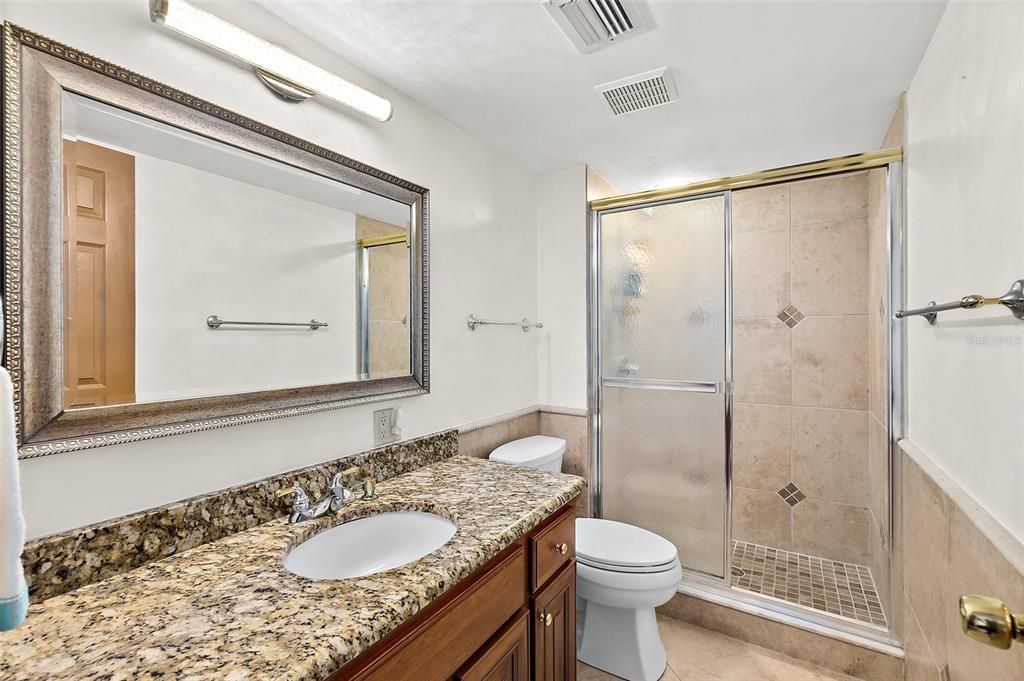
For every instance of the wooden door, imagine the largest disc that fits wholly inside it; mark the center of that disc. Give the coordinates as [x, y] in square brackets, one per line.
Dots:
[554, 629]
[99, 275]
[505, 657]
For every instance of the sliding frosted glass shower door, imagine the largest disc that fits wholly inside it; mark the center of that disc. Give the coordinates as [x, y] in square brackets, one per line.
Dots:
[663, 371]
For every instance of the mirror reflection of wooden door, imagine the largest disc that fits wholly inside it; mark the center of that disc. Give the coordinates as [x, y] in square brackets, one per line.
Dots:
[99, 270]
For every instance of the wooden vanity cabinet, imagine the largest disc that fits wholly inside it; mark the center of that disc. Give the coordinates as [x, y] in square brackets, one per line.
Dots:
[514, 619]
[504, 658]
[554, 632]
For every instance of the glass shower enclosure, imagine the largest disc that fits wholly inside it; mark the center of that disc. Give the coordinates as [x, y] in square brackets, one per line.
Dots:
[664, 374]
[745, 384]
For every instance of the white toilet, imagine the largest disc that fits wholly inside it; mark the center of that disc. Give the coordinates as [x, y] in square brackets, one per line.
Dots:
[537, 451]
[623, 573]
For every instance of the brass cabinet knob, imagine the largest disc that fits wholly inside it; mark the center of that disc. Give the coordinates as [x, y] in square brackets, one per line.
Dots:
[548, 619]
[562, 548]
[989, 621]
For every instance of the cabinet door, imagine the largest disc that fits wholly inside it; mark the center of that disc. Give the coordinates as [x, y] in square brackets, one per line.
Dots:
[505, 657]
[554, 629]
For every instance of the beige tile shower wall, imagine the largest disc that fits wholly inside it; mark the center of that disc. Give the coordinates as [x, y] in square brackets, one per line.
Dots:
[951, 547]
[389, 300]
[801, 388]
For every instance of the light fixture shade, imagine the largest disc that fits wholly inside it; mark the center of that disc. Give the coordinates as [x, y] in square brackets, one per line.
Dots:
[208, 29]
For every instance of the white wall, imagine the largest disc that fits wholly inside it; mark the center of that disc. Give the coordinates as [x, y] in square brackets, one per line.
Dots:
[483, 260]
[562, 229]
[562, 288]
[207, 244]
[965, 182]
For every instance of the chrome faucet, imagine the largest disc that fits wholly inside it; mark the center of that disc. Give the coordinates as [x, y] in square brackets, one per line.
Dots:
[343, 494]
[337, 497]
[301, 508]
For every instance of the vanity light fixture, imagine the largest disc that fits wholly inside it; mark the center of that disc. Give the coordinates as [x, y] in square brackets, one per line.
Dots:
[290, 77]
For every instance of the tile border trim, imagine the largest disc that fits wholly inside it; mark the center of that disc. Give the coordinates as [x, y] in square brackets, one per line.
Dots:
[525, 411]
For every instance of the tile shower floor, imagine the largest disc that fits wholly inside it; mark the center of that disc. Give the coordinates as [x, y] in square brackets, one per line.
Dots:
[843, 589]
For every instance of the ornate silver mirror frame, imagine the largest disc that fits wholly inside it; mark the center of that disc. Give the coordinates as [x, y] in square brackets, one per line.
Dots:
[36, 71]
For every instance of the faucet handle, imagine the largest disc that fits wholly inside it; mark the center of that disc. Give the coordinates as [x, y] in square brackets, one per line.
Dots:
[342, 494]
[301, 500]
[369, 489]
[339, 478]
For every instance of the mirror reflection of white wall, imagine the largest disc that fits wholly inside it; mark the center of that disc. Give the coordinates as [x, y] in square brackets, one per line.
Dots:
[214, 230]
[213, 245]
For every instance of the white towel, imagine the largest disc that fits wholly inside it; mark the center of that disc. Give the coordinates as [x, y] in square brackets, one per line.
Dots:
[13, 590]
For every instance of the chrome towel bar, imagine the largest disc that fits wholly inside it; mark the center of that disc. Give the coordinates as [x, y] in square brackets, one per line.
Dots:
[1013, 300]
[215, 322]
[472, 321]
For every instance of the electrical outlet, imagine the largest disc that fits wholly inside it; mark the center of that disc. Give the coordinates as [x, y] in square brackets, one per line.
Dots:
[383, 423]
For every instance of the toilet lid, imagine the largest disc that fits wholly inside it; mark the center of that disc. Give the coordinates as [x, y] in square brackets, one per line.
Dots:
[535, 451]
[607, 542]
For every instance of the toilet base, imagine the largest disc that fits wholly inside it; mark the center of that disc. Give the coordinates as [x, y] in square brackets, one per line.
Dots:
[621, 641]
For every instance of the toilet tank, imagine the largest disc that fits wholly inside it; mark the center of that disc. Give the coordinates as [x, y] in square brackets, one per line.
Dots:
[536, 451]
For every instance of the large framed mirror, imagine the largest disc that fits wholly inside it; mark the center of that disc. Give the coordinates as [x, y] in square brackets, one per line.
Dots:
[170, 266]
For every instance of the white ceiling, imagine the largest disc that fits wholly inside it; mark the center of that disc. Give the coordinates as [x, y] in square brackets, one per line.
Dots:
[761, 83]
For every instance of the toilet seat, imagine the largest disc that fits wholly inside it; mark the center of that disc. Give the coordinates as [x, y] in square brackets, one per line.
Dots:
[618, 547]
[628, 569]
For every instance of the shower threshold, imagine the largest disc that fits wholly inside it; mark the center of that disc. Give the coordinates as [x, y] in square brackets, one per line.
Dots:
[834, 587]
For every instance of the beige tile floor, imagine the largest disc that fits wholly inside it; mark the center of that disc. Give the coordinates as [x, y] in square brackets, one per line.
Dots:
[696, 654]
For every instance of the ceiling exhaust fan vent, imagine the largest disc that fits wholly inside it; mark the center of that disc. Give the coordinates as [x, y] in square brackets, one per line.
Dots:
[639, 92]
[593, 24]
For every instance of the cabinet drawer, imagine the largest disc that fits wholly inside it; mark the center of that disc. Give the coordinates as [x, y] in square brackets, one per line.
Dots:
[505, 657]
[552, 548]
[435, 648]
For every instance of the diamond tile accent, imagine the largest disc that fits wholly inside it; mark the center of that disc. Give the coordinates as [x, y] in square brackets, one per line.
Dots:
[842, 589]
[791, 494]
[790, 316]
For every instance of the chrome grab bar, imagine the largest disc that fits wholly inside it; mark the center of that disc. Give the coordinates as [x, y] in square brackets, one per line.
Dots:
[713, 387]
[215, 322]
[472, 321]
[1012, 300]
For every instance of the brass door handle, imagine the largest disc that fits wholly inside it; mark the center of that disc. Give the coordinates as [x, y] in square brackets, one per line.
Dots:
[562, 548]
[989, 621]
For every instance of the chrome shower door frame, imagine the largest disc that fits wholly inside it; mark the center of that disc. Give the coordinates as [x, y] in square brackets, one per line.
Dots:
[595, 381]
[720, 591]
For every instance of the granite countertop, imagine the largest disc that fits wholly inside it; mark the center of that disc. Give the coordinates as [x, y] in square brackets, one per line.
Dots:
[229, 610]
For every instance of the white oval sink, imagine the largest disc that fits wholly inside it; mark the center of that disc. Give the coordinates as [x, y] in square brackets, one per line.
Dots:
[369, 545]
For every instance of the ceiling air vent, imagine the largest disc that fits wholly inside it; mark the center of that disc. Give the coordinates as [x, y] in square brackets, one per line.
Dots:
[639, 92]
[593, 24]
